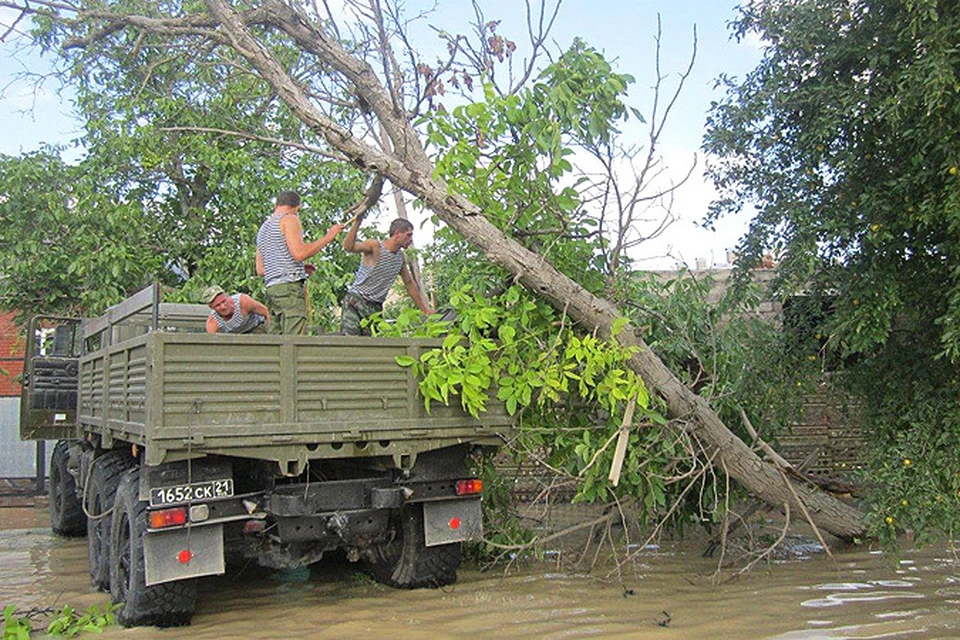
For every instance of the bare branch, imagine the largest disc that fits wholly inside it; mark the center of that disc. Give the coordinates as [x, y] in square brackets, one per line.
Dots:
[769, 550]
[13, 25]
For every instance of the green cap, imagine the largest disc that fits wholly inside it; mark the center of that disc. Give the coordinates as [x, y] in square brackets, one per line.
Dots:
[210, 293]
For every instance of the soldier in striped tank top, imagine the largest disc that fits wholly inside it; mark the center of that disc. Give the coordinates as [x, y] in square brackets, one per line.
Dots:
[238, 313]
[281, 252]
[381, 263]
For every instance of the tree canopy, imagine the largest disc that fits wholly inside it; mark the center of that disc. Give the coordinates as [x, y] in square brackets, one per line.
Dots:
[846, 140]
[181, 161]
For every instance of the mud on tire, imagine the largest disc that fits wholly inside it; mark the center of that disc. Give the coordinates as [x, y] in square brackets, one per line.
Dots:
[406, 562]
[99, 496]
[170, 604]
[66, 512]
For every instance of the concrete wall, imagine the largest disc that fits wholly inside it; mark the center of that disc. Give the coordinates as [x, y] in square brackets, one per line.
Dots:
[17, 459]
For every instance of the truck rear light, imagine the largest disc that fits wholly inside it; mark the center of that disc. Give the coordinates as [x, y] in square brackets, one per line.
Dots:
[168, 517]
[469, 487]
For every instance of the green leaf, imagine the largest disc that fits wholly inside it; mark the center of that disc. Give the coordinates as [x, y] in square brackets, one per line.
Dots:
[451, 341]
[618, 324]
[405, 361]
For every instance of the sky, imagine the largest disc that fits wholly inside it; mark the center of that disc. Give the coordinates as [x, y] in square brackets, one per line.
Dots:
[624, 30]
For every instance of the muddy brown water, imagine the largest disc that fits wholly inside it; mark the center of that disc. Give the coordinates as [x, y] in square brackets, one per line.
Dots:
[666, 595]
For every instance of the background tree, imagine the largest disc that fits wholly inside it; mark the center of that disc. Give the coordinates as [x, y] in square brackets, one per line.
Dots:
[846, 139]
[181, 163]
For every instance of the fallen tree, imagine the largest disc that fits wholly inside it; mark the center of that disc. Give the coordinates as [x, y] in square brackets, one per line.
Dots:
[407, 165]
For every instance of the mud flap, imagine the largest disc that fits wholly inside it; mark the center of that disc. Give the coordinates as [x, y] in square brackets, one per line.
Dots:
[449, 521]
[183, 553]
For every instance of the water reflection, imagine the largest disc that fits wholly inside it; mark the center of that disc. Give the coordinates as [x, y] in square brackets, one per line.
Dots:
[666, 594]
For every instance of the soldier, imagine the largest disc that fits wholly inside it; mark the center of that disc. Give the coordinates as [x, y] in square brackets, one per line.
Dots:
[238, 313]
[380, 264]
[280, 255]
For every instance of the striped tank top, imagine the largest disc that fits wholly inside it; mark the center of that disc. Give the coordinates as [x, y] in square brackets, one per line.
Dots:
[373, 283]
[238, 323]
[278, 265]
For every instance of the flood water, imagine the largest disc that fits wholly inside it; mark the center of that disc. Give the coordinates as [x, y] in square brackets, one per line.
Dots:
[667, 594]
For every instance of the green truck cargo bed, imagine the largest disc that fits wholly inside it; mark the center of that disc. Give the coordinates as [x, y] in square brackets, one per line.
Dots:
[281, 398]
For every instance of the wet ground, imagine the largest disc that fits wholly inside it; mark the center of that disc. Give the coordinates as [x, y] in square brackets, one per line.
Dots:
[667, 594]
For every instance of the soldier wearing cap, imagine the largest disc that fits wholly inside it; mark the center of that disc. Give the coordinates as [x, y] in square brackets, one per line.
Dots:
[238, 313]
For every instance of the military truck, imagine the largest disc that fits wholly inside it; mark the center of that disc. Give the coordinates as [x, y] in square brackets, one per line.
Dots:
[179, 452]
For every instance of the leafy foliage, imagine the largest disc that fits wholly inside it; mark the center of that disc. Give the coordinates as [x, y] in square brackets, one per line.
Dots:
[913, 416]
[723, 348]
[75, 248]
[569, 389]
[65, 249]
[511, 156]
[846, 138]
[15, 627]
[842, 137]
[67, 622]
[165, 192]
[507, 343]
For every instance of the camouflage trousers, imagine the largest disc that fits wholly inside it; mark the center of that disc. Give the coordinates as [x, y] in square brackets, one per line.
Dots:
[288, 307]
[353, 310]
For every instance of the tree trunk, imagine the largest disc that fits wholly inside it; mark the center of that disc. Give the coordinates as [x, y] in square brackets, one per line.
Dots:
[409, 168]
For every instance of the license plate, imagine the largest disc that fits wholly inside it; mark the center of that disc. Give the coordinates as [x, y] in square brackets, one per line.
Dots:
[196, 492]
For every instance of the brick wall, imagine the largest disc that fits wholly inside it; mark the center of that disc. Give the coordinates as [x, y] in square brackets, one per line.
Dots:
[11, 355]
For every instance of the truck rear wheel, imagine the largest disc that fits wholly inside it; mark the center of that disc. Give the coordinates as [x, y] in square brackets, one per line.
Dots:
[170, 604]
[66, 512]
[406, 562]
[99, 495]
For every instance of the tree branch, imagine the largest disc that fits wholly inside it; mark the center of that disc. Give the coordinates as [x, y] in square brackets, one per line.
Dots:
[252, 136]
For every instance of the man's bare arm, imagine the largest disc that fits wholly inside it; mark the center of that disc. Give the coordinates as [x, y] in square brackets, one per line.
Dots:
[350, 243]
[293, 234]
[248, 305]
[414, 291]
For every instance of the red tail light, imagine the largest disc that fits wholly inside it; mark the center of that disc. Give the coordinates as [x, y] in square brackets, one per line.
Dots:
[469, 487]
[168, 517]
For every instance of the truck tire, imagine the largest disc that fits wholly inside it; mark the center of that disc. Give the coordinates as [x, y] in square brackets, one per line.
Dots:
[170, 604]
[99, 495]
[406, 562]
[66, 512]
